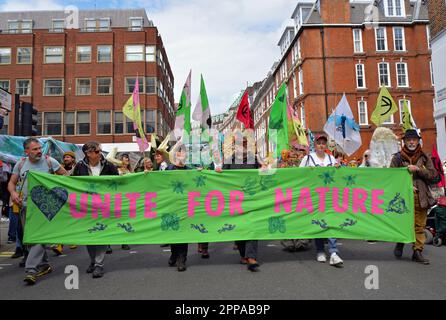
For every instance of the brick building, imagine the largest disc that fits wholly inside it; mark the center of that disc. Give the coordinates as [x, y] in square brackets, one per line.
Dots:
[335, 51]
[80, 77]
[437, 15]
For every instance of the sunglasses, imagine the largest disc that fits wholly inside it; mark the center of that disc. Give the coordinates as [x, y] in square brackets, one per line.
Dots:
[96, 151]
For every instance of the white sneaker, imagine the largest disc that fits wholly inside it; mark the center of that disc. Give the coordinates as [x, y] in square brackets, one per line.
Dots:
[336, 260]
[321, 257]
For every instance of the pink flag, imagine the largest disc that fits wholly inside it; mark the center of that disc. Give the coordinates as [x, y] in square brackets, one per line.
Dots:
[437, 164]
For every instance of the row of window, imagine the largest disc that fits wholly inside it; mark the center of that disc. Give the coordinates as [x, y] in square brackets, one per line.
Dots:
[56, 54]
[363, 112]
[104, 86]
[381, 43]
[107, 122]
[89, 25]
[402, 75]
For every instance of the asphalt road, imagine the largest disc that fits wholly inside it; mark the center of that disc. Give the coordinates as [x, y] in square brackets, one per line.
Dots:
[142, 273]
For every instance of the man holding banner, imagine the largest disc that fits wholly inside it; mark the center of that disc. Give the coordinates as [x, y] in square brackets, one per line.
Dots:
[94, 164]
[423, 171]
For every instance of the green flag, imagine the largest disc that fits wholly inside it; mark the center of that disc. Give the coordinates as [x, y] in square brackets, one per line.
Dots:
[385, 107]
[407, 121]
[182, 121]
[202, 112]
[278, 122]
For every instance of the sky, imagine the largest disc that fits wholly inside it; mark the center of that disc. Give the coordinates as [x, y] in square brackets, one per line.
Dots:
[230, 42]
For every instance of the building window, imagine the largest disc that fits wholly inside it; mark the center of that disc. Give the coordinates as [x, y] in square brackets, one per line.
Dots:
[130, 126]
[135, 24]
[104, 24]
[104, 122]
[53, 87]
[150, 85]
[428, 36]
[5, 128]
[83, 122]
[401, 74]
[401, 105]
[4, 84]
[134, 53]
[90, 25]
[294, 85]
[105, 53]
[5, 55]
[381, 39]
[58, 25]
[302, 116]
[23, 26]
[150, 121]
[384, 75]
[83, 54]
[69, 121]
[394, 8]
[130, 83]
[24, 55]
[54, 55]
[23, 87]
[301, 82]
[357, 41]
[360, 76]
[119, 122]
[104, 86]
[160, 124]
[432, 73]
[52, 123]
[150, 53]
[83, 87]
[362, 112]
[399, 39]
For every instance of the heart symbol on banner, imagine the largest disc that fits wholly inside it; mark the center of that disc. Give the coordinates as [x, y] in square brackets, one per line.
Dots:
[49, 201]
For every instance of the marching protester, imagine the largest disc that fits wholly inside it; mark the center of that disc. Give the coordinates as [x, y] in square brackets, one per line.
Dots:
[94, 164]
[423, 171]
[366, 160]
[37, 264]
[248, 249]
[179, 251]
[321, 159]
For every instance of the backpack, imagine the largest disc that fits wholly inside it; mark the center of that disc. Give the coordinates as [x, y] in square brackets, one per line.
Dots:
[48, 161]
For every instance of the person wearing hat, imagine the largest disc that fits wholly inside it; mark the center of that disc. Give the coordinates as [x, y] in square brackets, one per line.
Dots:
[69, 161]
[422, 169]
[321, 158]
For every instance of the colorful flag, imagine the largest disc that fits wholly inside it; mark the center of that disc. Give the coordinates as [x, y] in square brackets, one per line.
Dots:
[342, 128]
[385, 107]
[296, 132]
[244, 112]
[182, 121]
[311, 138]
[202, 112]
[278, 123]
[132, 110]
[437, 164]
[407, 120]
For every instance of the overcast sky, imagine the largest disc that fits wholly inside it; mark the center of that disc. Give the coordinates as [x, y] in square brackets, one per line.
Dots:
[231, 42]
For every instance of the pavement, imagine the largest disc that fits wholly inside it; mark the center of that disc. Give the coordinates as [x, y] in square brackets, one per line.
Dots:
[143, 273]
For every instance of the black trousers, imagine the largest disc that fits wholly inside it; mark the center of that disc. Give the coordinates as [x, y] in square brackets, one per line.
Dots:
[179, 251]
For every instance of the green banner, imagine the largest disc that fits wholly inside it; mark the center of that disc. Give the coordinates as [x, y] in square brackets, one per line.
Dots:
[193, 206]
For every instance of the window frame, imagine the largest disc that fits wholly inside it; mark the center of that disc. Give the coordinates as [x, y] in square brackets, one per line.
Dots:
[57, 30]
[9, 84]
[77, 87]
[77, 53]
[392, 4]
[152, 54]
[44, 124]
[403, 33]
[131, 28]
[10, 56]
[97, 86]
[111, 53]
[406, 69]
[65, 123]
[30, 55]
[388, 74]
[30, 87]
[355, 40]
[386, 45]
[45, 54]
[366, 111]
[140, 85]
[114, 123]
[53, 95]
[77, 123]
[143, 54]
[363, 76]
[111, 123]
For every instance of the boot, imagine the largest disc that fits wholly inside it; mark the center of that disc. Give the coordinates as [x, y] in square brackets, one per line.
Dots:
[418, 257]
[398, 252]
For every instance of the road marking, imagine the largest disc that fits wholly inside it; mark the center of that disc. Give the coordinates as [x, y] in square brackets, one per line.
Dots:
[168, 250]
[133, 252]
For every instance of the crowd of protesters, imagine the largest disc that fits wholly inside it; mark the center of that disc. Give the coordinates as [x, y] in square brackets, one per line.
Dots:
[35, 258]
